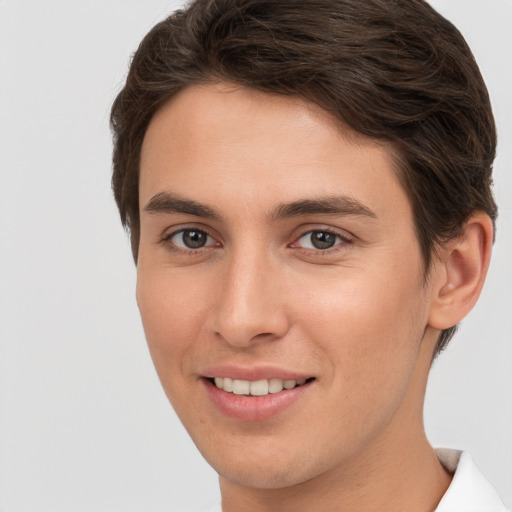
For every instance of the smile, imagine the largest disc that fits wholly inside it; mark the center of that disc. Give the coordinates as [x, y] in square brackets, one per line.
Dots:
[261, 387]
[256, 400]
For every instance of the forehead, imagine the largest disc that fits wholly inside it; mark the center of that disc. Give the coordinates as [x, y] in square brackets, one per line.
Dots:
[230, 142]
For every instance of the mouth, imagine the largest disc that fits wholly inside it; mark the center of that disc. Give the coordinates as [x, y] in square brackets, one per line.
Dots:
[264, 397]
[262, 387]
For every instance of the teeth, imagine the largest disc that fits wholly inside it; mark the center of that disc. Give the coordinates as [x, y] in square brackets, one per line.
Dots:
[275, 385]
[259, 388]
[241, 387]
[227, 384]
[256, 388]
[289, 384]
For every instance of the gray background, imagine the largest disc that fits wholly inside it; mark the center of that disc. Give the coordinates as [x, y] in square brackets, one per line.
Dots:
[84, 425]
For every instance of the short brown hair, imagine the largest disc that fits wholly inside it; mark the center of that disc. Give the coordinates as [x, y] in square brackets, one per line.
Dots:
[393, 70]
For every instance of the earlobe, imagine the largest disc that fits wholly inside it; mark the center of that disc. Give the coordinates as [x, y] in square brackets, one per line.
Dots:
[460, 272]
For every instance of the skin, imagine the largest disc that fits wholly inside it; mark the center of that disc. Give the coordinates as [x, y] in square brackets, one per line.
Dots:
[359, 317]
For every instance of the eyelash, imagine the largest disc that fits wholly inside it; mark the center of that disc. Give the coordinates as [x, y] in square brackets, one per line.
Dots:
[343, 242]
[188, 251]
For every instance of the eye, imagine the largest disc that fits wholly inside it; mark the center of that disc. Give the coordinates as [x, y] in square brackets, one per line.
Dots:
[191, 239]
[320, 240]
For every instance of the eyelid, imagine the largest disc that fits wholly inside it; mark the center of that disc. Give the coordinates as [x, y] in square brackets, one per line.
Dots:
[169, 233]
[207, 243]
[345, 239]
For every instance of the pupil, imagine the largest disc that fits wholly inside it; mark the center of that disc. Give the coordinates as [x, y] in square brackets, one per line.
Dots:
[194, 239]
[323, 240]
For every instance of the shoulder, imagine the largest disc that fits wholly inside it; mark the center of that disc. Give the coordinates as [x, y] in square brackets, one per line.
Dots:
[469, 491]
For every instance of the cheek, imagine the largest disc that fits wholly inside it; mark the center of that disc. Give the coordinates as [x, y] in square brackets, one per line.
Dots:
[369, 329]
[171, 313]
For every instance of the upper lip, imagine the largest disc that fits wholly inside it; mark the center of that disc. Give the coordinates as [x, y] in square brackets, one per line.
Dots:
[254, 373]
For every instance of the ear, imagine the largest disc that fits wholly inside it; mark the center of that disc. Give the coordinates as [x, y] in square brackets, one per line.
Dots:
[459, 272]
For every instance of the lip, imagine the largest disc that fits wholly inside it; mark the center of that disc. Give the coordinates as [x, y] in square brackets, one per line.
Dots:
[254, 408]
[253, 373]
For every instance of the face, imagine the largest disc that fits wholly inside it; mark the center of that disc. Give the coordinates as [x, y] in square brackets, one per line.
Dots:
[281, 285]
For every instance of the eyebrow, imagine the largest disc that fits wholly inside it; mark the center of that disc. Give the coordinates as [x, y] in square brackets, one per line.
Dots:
[168, 203]
[330, 205]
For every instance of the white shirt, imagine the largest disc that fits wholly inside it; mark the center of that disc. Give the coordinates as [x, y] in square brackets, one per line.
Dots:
[469, 491]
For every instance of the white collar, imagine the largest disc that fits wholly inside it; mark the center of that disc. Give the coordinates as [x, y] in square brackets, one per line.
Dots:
[469, 491]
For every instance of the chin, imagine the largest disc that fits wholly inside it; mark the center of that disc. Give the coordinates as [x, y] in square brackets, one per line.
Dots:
[268, 468]
[261, 476]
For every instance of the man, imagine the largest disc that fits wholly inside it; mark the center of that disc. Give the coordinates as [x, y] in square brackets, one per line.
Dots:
[307, 189]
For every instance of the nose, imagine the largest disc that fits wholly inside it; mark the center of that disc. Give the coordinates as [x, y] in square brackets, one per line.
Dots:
[250, 304]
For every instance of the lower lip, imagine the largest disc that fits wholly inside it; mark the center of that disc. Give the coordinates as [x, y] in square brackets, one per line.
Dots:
[253, 408]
